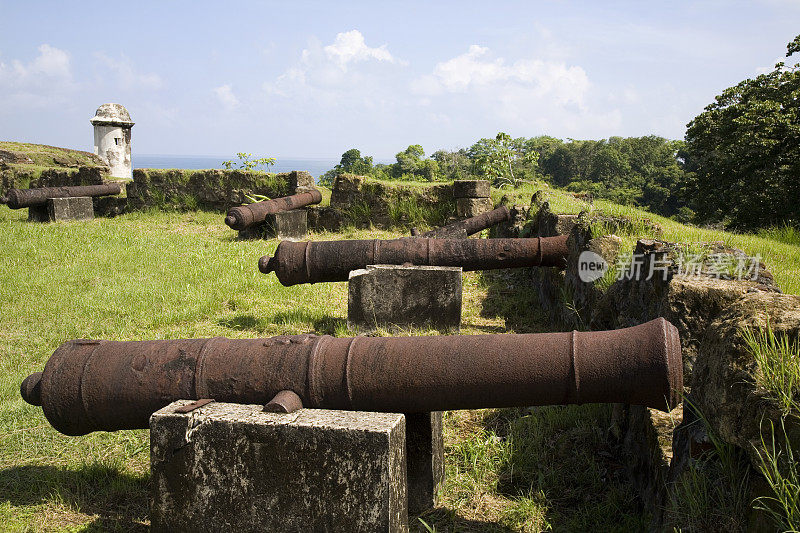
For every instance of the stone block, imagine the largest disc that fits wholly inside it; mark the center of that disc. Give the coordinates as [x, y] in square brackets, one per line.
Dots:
[470, 207]
[62, 209]
[285, 225]
[471, 189]
[397, 295]
[231, 467]
[288, 225]
[76, 208]
[300, 179]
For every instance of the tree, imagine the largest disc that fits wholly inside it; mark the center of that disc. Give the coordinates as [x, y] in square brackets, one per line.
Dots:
[408, 161]
[350, 163]
[743, 151]
[498, 158]
[353, 163]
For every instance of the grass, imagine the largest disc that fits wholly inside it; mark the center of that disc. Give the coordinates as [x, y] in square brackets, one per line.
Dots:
[49, 156]
[781, 469]
[778, 360]
[713, 494]
[547, 468]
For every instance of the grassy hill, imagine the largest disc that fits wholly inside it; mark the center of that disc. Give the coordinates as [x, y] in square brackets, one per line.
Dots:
[28, 160]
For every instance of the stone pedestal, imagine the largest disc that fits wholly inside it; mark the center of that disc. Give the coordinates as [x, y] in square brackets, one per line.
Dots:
[397, 295]
[471, 189]
[472, 207]
[231, 467]
[285, 225]
[62, 209]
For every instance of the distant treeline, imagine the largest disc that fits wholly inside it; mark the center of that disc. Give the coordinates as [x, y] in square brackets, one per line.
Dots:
[641, 171]
[739, 164]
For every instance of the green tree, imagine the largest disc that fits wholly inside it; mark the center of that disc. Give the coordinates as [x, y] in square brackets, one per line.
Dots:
[353, 163]
[408, 162]
[743, 151]
[500, 158]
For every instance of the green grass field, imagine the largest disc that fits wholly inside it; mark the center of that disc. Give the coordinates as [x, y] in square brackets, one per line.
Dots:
[162, 275]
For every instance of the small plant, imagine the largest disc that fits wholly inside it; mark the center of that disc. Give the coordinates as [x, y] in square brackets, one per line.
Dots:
[713, 493]
[255, 198]
[778, 362]
[780, 469]
[248, 164]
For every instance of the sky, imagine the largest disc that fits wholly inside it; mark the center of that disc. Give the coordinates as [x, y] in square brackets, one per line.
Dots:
[305, 79]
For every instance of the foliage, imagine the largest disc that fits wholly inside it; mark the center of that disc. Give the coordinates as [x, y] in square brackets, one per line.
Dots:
[743, 151]
[247, 163]
[778, 361]
[351, 163]
[497, 158]
[781, 469]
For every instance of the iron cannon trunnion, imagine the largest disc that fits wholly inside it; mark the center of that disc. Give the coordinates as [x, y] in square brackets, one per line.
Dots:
[96, 385]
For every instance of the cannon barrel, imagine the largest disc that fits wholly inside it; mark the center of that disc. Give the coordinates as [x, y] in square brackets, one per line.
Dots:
[470, 225]
[109, 385]
[242, 217]
[316, 261]
[19, 198]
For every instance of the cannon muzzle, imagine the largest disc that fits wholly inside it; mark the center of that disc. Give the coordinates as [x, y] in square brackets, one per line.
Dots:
[242, 217]
[19, 198]
[95, 385]
[317, 261]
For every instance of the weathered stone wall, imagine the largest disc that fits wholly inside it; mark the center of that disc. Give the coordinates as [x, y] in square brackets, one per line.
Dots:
[709, 312]
[363, 202]
[208, 189]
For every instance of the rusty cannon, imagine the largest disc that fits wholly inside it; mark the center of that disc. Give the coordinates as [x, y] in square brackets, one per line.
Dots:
[318, 261]
[96, 385]
[245, 216]
[20, 198]
[469, 226]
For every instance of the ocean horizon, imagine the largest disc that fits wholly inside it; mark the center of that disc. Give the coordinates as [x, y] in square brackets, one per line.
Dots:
[316, 166]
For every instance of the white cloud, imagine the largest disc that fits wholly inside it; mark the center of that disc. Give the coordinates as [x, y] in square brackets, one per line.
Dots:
[473, 71]
[50, 64]
[351, 47]
[226, 97]
[42, 82]
[346, 70]
[127, 77]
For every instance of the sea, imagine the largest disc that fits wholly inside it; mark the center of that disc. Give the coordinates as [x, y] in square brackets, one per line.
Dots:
[316, 166]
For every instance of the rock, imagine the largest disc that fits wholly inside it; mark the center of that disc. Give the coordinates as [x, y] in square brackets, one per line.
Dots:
[470, 207]
[300, 179]
[724, 380]
[231, 467]
[471, 189]
[396, 295]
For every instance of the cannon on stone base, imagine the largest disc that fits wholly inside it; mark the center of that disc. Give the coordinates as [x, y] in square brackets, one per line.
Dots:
[20, 198]
[318, 261]
[246, 216]
[97, 385]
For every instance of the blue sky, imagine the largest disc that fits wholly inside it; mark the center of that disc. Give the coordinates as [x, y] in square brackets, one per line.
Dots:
[313, 79]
